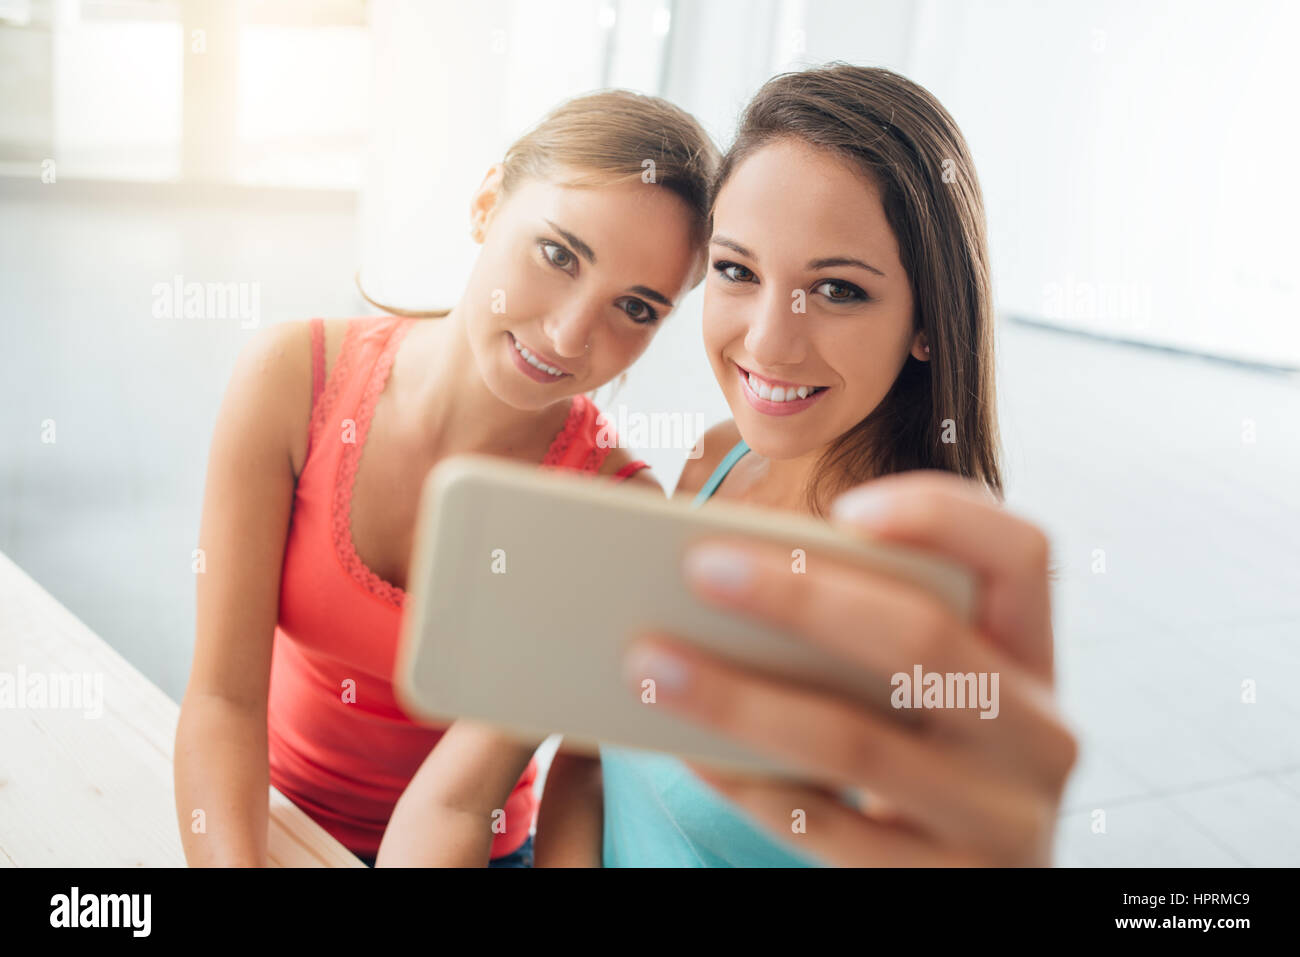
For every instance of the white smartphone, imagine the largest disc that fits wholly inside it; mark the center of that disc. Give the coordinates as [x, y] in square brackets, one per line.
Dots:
[526, 586]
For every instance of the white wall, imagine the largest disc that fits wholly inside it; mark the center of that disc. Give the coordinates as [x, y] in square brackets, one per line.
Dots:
[455, 83]
[1134, 160]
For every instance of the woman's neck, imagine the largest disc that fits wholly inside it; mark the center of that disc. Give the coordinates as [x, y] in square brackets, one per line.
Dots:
[454, 408]
[777, 483]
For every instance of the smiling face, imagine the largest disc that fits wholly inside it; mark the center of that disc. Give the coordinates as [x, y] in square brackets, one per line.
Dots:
[805, 297]
[571, 283]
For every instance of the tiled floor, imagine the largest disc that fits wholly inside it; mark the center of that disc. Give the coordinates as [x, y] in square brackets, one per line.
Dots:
[1139, 453]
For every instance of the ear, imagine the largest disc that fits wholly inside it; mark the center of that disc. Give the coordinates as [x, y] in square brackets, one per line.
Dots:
[920, 348]
[486, 201]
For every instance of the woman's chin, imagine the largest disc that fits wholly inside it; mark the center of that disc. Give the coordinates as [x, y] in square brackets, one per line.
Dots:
[520, 399]
[776, 443]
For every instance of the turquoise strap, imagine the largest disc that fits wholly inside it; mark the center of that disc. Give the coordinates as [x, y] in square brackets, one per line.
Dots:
[720, 473]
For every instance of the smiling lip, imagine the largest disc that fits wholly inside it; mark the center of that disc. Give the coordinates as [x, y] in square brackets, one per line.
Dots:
[537, 375]
[767, 406]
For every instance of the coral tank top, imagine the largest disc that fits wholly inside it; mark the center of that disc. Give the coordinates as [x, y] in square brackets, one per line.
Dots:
[340, 746]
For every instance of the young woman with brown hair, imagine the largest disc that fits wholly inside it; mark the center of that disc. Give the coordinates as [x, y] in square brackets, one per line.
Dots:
[328, 429]
[848, 319]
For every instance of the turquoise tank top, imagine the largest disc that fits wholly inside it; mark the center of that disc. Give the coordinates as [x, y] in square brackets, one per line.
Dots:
[659, 814]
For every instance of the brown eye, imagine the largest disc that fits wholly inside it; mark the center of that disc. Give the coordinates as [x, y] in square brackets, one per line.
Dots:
[840, 291]
[638, 311]
[734, 272]
[558, 256]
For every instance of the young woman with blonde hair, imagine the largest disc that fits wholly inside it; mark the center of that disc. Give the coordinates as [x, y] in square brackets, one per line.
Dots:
[328, 429]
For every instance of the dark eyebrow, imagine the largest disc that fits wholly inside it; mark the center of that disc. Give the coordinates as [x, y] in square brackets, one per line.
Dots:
[843, 261]
[813, 264]
[651, 294]
[732, 244]
[583, 249]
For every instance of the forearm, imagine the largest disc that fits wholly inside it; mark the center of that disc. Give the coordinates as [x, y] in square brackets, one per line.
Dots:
[570, 824]
[435, 835]
[453, 807]
[221, 770]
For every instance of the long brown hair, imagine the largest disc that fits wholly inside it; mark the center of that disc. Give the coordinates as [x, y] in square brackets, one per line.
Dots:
[904, 140]
[611, 137]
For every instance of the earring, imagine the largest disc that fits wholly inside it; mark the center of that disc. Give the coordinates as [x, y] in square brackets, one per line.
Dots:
[927, 350]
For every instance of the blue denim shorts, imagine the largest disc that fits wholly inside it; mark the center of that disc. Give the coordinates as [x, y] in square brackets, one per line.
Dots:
[523, 857]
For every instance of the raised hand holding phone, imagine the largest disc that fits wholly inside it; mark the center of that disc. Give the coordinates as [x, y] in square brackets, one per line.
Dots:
[954, 789]
[527, 587]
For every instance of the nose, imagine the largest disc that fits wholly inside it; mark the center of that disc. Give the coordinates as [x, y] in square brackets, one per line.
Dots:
[776, 334]
[570, 329]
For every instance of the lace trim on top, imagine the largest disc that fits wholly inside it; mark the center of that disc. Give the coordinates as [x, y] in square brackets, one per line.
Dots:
[350, 459]
[573, 423]
[346, 478]
[595, 458]
[339, 376]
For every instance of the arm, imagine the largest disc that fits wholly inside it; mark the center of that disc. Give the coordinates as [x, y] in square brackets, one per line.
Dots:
[221, 763]
[956, 790]
[444, 817]
[571, 821]
[617, 459]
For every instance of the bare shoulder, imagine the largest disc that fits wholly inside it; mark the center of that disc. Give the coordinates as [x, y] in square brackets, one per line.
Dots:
[276, 364]
[621, 457]
[704, 458]
[273, 371]
[290, 347]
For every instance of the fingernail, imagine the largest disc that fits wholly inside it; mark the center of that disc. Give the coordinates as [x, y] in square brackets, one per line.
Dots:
[668, 672]
[859, 505]
[726, 569]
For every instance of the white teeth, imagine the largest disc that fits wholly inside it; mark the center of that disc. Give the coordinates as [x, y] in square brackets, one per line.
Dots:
[780, 393]
[532, 360]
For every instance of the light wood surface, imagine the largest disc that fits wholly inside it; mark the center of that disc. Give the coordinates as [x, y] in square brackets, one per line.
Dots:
[80, 790]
